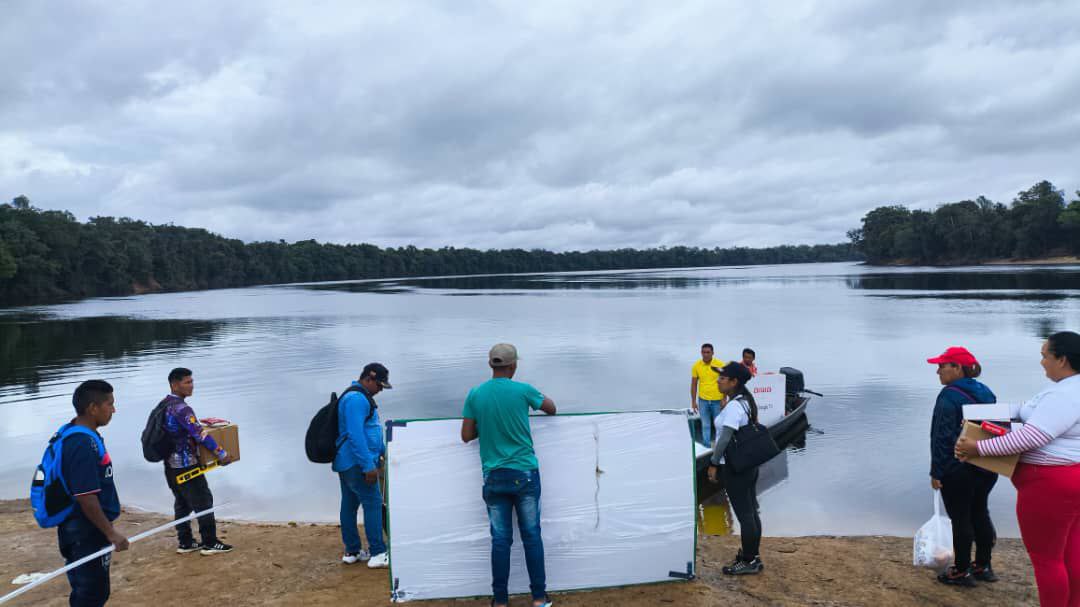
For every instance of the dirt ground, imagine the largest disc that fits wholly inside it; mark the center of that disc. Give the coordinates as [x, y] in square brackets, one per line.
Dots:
[299, 565]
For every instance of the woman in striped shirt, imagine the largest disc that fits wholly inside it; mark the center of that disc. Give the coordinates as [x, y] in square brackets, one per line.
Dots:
[1047, 478]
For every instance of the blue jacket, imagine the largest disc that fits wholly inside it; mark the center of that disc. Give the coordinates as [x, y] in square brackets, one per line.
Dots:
[360, 439]
[948, 421]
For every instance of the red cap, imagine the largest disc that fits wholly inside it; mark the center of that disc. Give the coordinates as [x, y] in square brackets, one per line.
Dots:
[955, 355]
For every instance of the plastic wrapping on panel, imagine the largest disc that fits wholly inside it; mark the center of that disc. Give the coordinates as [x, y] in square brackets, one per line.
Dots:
[617, 505]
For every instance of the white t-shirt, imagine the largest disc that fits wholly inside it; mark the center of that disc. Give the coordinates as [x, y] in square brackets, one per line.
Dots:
[1056, 411]
[733, 415]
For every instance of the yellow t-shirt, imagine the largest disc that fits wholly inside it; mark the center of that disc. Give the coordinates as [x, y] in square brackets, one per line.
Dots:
[706, 384]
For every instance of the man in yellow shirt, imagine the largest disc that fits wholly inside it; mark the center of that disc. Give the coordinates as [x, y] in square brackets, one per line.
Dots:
[705, 396]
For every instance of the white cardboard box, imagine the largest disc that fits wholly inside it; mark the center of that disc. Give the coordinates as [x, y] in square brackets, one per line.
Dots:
[998, 412]
[768, 389]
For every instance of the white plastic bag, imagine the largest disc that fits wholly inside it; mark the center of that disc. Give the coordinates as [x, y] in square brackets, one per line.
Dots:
[933, 541]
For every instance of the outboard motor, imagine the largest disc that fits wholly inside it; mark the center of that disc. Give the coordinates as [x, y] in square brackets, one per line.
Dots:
[794, 383]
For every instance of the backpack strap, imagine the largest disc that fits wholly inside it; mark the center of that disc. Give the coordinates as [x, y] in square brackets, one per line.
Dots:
[746, 408]
[371, 401]
[77, 429]
[964, 393]
[371, 412]
[64, 432]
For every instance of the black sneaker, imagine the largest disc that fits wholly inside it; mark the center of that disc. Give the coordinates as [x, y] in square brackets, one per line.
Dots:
[745, 567]
[983, 574]
[187, 547]
[956, 578]
[217, 547]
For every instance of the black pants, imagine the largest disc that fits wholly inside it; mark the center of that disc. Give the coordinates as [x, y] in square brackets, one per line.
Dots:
[742, 493]
[965, 493]
[79, 537]
[192, 496]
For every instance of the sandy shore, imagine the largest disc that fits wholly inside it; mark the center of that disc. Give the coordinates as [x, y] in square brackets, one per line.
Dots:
[299, 565]
[1045, 261]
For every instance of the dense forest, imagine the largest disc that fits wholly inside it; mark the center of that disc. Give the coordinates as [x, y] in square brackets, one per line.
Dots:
[1036, 224]
[49, 255]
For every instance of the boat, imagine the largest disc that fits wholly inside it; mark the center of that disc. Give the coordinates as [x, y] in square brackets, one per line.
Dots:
[789, 430]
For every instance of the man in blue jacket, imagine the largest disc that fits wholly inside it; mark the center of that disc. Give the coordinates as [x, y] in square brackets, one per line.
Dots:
[358, 460]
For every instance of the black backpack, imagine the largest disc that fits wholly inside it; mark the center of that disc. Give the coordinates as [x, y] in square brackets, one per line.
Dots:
[156, 443]
[321, 441]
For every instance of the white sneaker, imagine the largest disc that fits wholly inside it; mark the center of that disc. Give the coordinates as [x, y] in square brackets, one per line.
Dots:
[352, 557]
[379, 561]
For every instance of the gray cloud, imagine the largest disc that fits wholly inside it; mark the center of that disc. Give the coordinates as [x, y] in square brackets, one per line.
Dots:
[507, 125]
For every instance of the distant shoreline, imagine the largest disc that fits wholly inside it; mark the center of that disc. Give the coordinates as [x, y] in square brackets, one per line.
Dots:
[1060, 260]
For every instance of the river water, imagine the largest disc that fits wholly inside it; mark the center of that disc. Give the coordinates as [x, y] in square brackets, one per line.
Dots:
[268, 357]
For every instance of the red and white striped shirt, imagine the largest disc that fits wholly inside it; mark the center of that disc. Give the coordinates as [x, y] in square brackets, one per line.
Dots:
[1051, 432]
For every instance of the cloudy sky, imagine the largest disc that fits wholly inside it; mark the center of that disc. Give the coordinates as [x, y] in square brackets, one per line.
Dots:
[492, 124]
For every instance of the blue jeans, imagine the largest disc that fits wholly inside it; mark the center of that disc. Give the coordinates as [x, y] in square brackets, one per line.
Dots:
[356, 492]
[506, 490]
[708, 409]
[79, 537]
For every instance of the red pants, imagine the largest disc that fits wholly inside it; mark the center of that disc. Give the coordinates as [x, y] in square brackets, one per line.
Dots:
[1048, 509]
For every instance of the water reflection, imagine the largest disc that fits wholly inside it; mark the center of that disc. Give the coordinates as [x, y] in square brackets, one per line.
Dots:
[1045, 326]
[503, 284]
[1007, 280]
[715, 513]
[267, 358]
[34, 347]
[716, 516]
[982, 295]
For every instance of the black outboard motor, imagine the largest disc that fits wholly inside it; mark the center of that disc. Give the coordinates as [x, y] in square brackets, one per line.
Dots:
[794, 383]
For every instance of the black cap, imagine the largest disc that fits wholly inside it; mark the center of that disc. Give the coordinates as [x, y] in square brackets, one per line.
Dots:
[377, 372]
[735, 371]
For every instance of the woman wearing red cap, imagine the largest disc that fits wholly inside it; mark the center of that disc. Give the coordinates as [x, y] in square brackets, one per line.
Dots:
[965, 489]
[1047, 478]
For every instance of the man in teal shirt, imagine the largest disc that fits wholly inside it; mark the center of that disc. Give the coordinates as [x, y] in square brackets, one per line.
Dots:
[497, 411]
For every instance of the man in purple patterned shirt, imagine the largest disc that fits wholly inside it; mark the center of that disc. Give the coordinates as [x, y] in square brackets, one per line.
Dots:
[193, 496]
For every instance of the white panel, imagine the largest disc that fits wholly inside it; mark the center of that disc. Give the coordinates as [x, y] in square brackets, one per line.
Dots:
[769, 396]
[617, 505]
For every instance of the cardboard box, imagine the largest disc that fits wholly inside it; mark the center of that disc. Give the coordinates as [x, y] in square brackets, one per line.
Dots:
[1001, 465]
[227, 437]
[998, 412]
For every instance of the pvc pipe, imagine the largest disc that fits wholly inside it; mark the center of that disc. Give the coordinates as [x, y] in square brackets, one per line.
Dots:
[103, 552]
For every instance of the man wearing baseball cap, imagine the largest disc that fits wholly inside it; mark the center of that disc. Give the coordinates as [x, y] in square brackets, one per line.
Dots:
[358, 460]
[497, 411]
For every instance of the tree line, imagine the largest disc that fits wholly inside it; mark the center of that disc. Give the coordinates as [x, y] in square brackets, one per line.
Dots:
[49, 255]
[1037, 223]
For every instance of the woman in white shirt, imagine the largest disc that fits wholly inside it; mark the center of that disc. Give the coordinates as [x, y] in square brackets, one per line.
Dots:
[741, 487]
[1047, 478]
